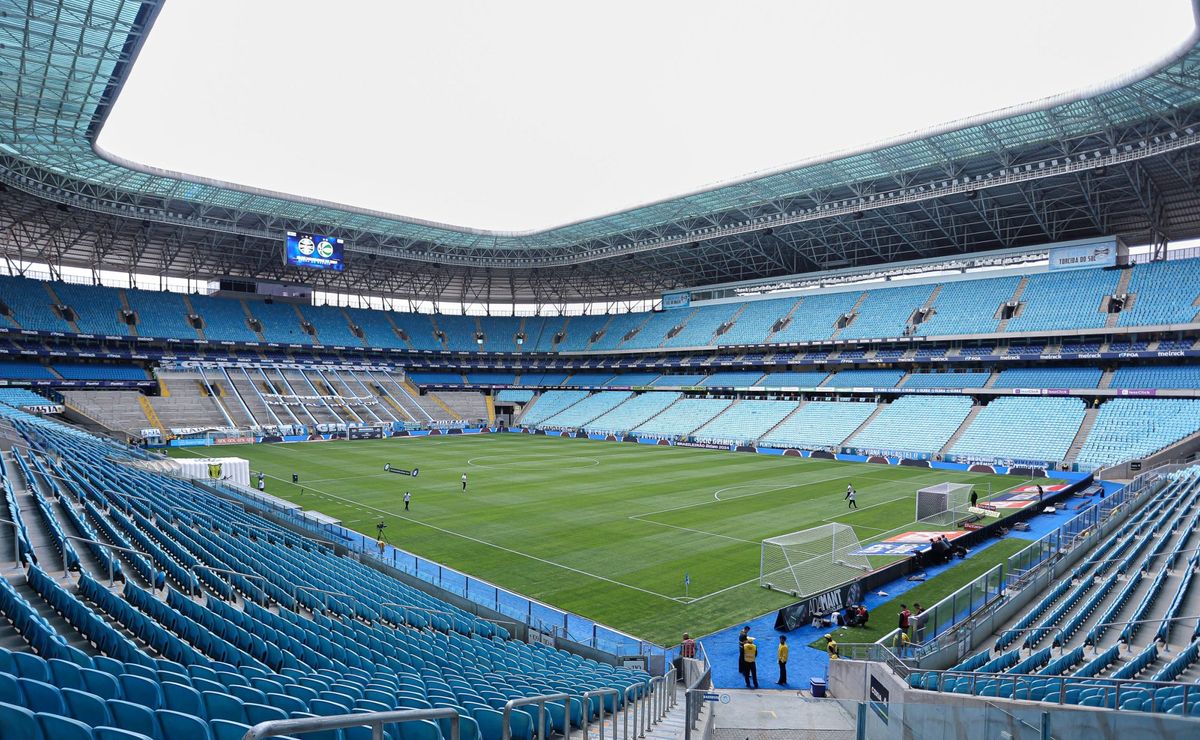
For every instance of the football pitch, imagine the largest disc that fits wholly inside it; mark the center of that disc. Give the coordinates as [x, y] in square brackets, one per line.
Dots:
[605, 530]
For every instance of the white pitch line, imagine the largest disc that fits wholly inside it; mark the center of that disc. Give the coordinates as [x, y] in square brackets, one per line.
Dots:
[489, 544]
[636, 518]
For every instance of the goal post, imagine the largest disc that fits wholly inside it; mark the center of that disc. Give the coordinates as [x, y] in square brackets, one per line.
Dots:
[943, 503]
[811, 561]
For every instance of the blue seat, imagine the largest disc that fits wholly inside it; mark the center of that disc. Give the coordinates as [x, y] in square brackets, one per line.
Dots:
[325, 708]
[420, 730]
[115, 733]
[29, 665]
[6, 661]
[301, 692]
[224, 706]
[110, 666]
[19, 722]
[100, 683]
[63, 728]
[223, 729]
[256, 713]
[66, 675]
[322, 735]
[10, 690]
[141, 691]
[135, 717]
[180, 726]
[41, 696]
[88, 708]
[185, 699]
[287, 703]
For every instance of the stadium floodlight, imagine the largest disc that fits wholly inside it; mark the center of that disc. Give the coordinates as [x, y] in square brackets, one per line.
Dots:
[811, 561]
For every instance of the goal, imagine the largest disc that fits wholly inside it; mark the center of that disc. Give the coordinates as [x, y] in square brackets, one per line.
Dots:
[943, 503]
[811, 561]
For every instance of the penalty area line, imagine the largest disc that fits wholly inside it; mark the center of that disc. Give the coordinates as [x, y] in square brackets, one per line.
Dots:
[365, 507]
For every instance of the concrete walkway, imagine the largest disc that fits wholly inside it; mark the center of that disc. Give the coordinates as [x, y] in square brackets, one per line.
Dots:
[776, 715]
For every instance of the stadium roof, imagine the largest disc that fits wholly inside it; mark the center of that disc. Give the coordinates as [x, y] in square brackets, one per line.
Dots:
[1118, 159]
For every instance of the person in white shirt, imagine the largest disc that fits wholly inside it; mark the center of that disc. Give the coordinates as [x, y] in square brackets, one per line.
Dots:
[851, 496]
[464, 481]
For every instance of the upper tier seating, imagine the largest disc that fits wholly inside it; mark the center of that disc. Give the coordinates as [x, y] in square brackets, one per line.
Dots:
[864, 379]
[745, 421]
[280, 322]
[589, 408]
[460, 331]
[1163, 293]
[816, 316]
[633, 412]
[947, 380]
[486, 378]
[654, 331]
[543, 379]
[1051, 301]
[1157, 376]
[30, 304]
[1023, 428]
[1069, 299]
[914, 424]
[431, 377]
[418, 327]
[755, 322]
[885, 313]
[499, 332]
[1049, 377]
[618, 325]
[683, 417]
[701, 325]
[820, 424]
[968, 307]
[160, 315]
[97, 308]
[587, 378]
[331, 325]
[1129, 428]
[377, 329]
[223, 319]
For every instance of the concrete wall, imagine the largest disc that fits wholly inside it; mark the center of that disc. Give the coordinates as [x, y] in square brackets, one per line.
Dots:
[930, 715]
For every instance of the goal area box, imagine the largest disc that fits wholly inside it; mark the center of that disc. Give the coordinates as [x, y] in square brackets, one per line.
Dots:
[944, 503]
[811, 561]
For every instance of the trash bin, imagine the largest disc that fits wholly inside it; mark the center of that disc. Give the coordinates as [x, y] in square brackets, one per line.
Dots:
[818, 687]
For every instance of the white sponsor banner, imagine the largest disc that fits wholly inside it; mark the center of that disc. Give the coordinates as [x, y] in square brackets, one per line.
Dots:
[1078, 256]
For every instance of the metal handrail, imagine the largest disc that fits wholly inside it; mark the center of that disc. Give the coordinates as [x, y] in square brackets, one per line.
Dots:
[374, 720]
[324, 602]
[16, 528]
[540, 701]
[625, 714]
[419, 608]
[587, 709]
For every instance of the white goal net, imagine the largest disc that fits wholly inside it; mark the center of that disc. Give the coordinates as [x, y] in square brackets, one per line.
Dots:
[811, 561]
[944, 503]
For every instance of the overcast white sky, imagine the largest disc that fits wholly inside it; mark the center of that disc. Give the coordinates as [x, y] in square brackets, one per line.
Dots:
[520, 116]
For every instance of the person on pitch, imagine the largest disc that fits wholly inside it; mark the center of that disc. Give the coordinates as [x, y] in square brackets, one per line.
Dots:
[464, 482]
[852, 497]
[407, 499]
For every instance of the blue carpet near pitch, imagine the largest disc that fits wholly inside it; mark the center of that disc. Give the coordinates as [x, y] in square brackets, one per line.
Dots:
[805, 662]
[1040, 526]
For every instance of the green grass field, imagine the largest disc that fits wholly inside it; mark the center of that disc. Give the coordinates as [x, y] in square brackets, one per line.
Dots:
[603, 530]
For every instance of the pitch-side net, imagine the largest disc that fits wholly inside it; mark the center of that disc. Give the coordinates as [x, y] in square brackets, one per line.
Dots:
[944, 503]
[811, 561]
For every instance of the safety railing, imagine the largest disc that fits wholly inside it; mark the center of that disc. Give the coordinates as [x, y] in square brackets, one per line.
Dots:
[540, 701]
[16, 530]
[374, 720]
[600, 694]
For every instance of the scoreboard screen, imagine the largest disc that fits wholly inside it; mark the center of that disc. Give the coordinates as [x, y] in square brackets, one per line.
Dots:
[314, 251]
